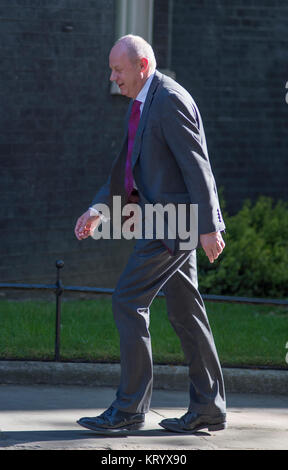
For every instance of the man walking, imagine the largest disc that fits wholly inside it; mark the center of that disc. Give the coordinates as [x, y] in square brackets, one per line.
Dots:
[163, 159]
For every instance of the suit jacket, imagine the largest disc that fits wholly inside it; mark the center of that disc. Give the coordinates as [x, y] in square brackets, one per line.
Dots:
[170, 159]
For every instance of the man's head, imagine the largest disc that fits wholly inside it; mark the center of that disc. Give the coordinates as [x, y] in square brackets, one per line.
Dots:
[131, 61]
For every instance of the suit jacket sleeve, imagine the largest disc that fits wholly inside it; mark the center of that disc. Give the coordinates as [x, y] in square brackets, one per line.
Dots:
[184, 134]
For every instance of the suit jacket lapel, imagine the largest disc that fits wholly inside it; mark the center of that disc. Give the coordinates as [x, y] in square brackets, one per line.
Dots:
[138, 138]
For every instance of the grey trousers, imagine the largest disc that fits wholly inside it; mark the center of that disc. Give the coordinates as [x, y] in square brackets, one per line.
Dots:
[151, 268]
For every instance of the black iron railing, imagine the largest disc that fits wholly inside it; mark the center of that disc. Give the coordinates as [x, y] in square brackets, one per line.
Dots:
[59, 288]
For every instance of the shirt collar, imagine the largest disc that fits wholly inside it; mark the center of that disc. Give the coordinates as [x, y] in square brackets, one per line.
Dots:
[144, 90]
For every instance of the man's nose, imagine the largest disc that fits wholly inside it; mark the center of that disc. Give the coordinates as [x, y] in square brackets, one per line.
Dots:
[112, 76]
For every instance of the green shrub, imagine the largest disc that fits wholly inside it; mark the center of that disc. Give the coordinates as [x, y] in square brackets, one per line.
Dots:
[254, 262]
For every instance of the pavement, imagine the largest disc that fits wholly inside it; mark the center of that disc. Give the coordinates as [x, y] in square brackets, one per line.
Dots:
[43, 417]
[41, 402]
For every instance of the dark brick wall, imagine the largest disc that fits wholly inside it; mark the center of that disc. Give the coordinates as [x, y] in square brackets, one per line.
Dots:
[232, 57]
[162, 32]
[60, 129]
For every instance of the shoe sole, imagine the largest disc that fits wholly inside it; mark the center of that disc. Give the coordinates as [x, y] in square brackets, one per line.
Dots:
[210, 427]
[122, 429]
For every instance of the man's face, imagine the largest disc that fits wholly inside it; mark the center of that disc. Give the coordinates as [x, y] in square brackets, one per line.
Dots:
[128, 75]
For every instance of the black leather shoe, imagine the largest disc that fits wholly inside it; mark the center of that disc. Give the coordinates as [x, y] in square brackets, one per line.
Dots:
[113, 420]
[192, 422]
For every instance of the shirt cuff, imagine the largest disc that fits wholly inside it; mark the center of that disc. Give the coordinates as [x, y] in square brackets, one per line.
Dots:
[94, 212]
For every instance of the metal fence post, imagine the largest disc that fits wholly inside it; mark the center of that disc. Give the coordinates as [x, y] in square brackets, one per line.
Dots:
[58, 293]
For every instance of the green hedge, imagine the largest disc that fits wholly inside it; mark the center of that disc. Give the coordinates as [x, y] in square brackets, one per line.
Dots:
[254, 262]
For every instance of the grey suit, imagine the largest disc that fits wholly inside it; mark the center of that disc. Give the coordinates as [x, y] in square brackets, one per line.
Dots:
[170, 165]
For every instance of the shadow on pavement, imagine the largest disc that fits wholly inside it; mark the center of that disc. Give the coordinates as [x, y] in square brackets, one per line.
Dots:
[10, 438]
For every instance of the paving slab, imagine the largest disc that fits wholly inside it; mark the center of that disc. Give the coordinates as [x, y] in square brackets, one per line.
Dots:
[43, 417]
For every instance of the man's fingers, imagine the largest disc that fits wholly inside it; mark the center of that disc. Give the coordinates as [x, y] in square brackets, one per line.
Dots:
[81, 229]
[85, 225]
[211, 258]
[222, 243]
[219, 247]
[78, 228]
[213, 254]
[84, 231]
[214, 251]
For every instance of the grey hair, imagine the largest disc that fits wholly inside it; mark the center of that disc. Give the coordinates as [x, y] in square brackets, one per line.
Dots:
[137, 48]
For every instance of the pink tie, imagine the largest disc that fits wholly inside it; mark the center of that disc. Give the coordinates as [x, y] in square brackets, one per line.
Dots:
[132, 129]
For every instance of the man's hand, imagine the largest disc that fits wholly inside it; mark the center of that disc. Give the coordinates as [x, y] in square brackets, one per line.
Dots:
[86, 225]
[213, 245]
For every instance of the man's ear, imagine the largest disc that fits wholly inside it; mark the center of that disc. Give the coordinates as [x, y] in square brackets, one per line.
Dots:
[144, 64]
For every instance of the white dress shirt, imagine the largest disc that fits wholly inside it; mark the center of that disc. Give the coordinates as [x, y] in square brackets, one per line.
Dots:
[144, 91]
